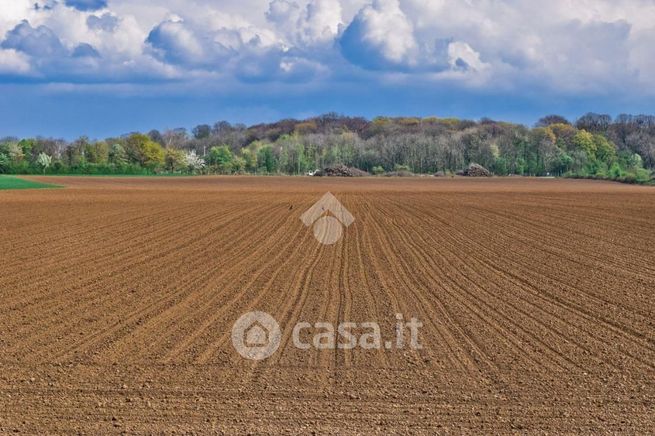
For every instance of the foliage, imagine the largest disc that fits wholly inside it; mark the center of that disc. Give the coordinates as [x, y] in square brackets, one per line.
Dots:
[550, 120]
[118, 155]
[594, 146]
[175, 160]
[44, 161]
[221, 159]
[250, 160]
[144, 151]
[194, 163]
[267, 160]
[584, 141]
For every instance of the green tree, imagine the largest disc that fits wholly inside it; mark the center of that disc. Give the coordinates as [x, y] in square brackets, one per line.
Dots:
[118, 155]
[605, 150]
[13, 152]
[221, 158]
[26, 146]
[584, 141]
[144, 151]
[175, 160]
[564, 134]
[616, 172]
[201, 131]
[635, 161]
[543, 150]
[500, 167]
[238, 164]
[267, 160]
[250, 159]
[74, 154]
[5, 164]
[97, 152]
[563, 164]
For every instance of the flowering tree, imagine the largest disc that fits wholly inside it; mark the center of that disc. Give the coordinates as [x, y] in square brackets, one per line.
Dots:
[44, 161]
[194, 162]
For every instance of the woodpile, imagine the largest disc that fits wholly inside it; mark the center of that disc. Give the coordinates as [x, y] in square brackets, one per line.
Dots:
[475, 170]
[340, 171]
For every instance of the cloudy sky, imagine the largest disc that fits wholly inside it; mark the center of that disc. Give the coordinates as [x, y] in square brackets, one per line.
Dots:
[102, 67]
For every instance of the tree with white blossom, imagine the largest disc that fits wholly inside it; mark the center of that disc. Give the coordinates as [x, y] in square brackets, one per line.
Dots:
[194, 162]
[44, 161]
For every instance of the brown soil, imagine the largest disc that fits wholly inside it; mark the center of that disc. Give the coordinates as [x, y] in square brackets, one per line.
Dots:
[118, 296]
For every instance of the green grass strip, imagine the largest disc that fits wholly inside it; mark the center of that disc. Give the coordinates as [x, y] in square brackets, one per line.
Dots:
[10, 182]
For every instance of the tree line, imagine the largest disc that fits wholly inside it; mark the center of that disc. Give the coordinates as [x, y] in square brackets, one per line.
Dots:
[594, 146]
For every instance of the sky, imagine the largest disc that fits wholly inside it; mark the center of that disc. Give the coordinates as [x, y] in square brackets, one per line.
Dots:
[107, 67]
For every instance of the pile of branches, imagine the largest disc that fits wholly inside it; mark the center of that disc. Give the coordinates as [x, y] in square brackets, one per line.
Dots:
[340, 171]
[475, 170]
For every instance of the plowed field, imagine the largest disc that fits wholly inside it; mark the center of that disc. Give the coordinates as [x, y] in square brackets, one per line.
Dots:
[118, 296]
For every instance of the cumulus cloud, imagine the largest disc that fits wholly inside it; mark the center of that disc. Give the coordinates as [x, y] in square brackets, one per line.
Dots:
[85, 50]
[38, 42]
[283, 12]
[321, 21]
[380, 37]
[462, 56]
[106, 22]
[275, 66]
[640, 56]
[173, 41]
[228, 45]
[13, 62]
[584, 46]
[599, 57]
[316, 23]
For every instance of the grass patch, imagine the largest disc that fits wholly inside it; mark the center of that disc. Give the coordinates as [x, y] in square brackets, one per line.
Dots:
[9, 182]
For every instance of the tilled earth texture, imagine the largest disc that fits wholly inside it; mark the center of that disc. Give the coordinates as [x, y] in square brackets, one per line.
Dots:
[119, 295]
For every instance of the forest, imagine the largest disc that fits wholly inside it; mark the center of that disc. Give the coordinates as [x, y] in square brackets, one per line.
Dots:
[593, 146]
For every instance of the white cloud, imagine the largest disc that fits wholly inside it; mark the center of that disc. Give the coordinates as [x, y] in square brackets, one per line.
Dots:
[315, 23]
[14, 62]
[174, 42]
[105, 22]
[462, 56]
[585, 46]
[381, 36]
[13, 12]
[321, 21]
[40, 42]
[641, 58]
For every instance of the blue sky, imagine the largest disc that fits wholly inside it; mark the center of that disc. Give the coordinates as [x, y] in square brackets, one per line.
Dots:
[107, 67]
